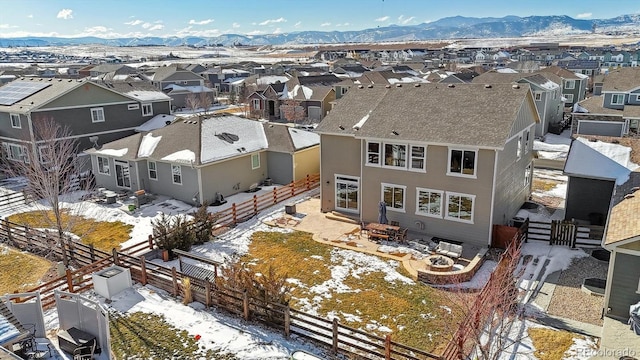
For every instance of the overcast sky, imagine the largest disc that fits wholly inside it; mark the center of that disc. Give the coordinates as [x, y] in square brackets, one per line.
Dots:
[136, 18]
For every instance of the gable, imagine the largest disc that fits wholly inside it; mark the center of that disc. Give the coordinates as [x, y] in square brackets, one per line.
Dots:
[182, 76]
[526, 116]
[86, 95]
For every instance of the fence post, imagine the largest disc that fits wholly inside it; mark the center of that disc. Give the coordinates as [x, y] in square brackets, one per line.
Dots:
[7, 226]
[234, 214]
[150, 242]
[255, 205]
[143, 270]
[92, 253]
[334, 345]
[293, 189]
[307, 183]
[245, 305]
[526, 232]
[69, 280]
[275, 196]
[207, 293]
[387, 347]
[116, 261]
[174, 277]
[287, 321]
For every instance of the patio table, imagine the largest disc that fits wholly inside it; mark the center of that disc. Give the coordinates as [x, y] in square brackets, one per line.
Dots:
[382, 231]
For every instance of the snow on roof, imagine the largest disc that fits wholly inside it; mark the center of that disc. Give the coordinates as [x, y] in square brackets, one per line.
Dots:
[550, 85]
[582, 76]
[303, 139]
[272, 79]
[7, 330]
[147, 95]
[156, 122]
[183, 156]
[235, 80]
[307, 91]
[113, 152]
[599, 160]
[148, 145]
[364, 119]
[506, 71]
[251, 138]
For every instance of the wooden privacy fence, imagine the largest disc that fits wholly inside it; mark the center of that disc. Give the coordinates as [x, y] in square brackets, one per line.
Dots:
[566, 233]
[14, 199]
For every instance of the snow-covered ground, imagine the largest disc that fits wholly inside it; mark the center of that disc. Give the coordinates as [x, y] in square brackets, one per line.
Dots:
[553, 147]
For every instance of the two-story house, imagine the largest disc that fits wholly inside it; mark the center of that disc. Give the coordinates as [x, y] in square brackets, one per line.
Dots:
[178, 83]
[614, 110]
[574, 85]
[448, 160]
[93, 113]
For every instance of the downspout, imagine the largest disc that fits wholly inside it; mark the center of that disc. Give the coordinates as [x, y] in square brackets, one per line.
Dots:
[34, 146]
[200, 191]
[140, 187]
[362, 145]
[493, 195]
[543, 131]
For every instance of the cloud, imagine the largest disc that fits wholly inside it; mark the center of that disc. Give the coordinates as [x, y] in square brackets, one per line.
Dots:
[325, 24]
[382, 19]
[156, 27]
[30, 16]
[201, 22]
[235, 25]
[7, 26]
[345, 24]
[277, 31]
[65, 14]
[583, 16]
[97, 30]
[273, 21]
[255, 32]
[298, 24]
[404, 21]
[134, 22]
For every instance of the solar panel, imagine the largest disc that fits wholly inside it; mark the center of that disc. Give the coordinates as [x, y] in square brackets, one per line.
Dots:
[15, 91]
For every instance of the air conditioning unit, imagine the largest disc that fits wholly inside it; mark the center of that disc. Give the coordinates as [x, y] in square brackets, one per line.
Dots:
[111, 281]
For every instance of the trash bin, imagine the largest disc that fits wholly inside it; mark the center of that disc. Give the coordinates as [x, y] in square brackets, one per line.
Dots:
[132, 207]
[290, 209]
[111, 198]
[517, 221]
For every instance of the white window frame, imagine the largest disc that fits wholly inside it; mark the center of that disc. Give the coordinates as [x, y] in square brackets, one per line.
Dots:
[537, 96]
[15, 121]
[637, 97]
[255, 161]
[174, 174]
[461, 174]
[147, 109]
[429, 191]
[616, 96]
[154, 170]
[569, 84]
[133, 107]
[569, 97]
[423, 158]
[527, 175]
[347, 180]
[108, 173]
[519, 148]
[256, 104]
[97, 115]
[458, 219]
[394, 186]
[383, 158]
[369, 153]
[527, 140]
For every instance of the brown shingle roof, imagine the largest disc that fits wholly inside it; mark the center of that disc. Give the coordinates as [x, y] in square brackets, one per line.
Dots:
[465, 114]
[623, 223]
[594, 106]
[623, 79]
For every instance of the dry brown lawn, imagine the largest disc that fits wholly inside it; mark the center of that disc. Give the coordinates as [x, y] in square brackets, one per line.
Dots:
[550, 344]
[19, 270]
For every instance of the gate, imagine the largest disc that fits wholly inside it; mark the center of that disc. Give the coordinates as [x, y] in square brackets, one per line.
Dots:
[563, 233]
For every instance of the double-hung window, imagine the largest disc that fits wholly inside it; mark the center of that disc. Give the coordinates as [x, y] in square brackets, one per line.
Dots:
[256, 104]
[255, 161]
[395, 155]
[462, 162]
[537, 96]
[153, 170]
[373, 153]
[519, 148]
[176, 172]
[460, 207]
[103, 166]
[617, 99]
[429, 202]
[394, 196]
[15, 121]
[418, 157]
[97, 115]
[569, 84]
[526, 141]
[147, 109]
[527, 175]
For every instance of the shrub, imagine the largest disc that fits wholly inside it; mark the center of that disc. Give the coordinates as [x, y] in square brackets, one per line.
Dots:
[188, 297]
[203, 224]
[172, 233]
[269, 287]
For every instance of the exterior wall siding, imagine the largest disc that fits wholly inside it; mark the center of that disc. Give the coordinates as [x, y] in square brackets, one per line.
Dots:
[109, 181]
[579, 206]
[607, 102]
[624, 284]
[6, 130]
[280, 167]
[87, 95]
[341, 155]
[612, 128]
[215, 177]
[165, 186]
[306, 162]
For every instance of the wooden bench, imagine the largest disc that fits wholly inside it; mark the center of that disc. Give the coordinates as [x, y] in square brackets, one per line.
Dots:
[375, 236]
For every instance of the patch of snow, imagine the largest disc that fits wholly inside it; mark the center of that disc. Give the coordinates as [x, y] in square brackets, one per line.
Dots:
[550, 85]
[364, 119]
[113, 152]
[148, 144]
[185, 156]
[156, 122]
[303, 139]
[146, 95]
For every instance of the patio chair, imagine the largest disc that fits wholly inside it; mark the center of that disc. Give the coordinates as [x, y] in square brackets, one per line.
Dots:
[85, 352]
[402, 237]
[363, 229]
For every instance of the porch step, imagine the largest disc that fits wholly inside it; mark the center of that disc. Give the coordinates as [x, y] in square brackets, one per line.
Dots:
[334, 215]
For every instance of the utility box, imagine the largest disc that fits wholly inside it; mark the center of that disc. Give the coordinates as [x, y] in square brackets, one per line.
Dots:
[290, 209]
[111, 281]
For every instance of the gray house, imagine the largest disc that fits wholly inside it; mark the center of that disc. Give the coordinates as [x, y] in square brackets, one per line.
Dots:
[92, 112]
[574, 85]
[194, 159]
[448, 160]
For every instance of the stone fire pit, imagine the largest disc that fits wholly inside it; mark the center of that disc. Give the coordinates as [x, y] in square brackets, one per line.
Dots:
[439, 263]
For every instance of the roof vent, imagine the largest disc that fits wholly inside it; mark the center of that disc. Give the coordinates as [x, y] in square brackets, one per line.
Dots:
[451, 86]
[370, 86]
[394, 132]
[398, 85]
[387, 86]
[487, 86]
[515, 86]
[416, 85]
[340, 127]
[360, 87]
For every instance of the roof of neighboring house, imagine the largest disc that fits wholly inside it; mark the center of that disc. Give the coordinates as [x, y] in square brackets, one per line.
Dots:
[595, 159]
[561, 72]
[194, 142]
[492, 77]
[140, 90]
[316, 93]
[624, 210]
[593, 105]
[196, 89]
[165, 72]
[114, 68]
[319, 80]
[622, 79]
[630, 142]
[579, 64]
[283, 138]
[631, 111]
[156, 122]
[465, 114]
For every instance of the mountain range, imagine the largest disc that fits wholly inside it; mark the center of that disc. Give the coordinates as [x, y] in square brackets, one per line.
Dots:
[457, 27]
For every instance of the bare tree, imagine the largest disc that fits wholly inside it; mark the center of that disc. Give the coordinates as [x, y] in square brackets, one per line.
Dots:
[292, 110]
[206, 101]
[51, 168]
[487, 321]
[192, 102]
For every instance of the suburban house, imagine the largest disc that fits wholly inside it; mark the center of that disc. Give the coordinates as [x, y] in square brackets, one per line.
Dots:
[178, 83]
[447, 160]
[265, 103]
[614, 110]
[574, 85]
[546, 95]
[594, 166]
[94, 113]
[191, 160]
[622, 238]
